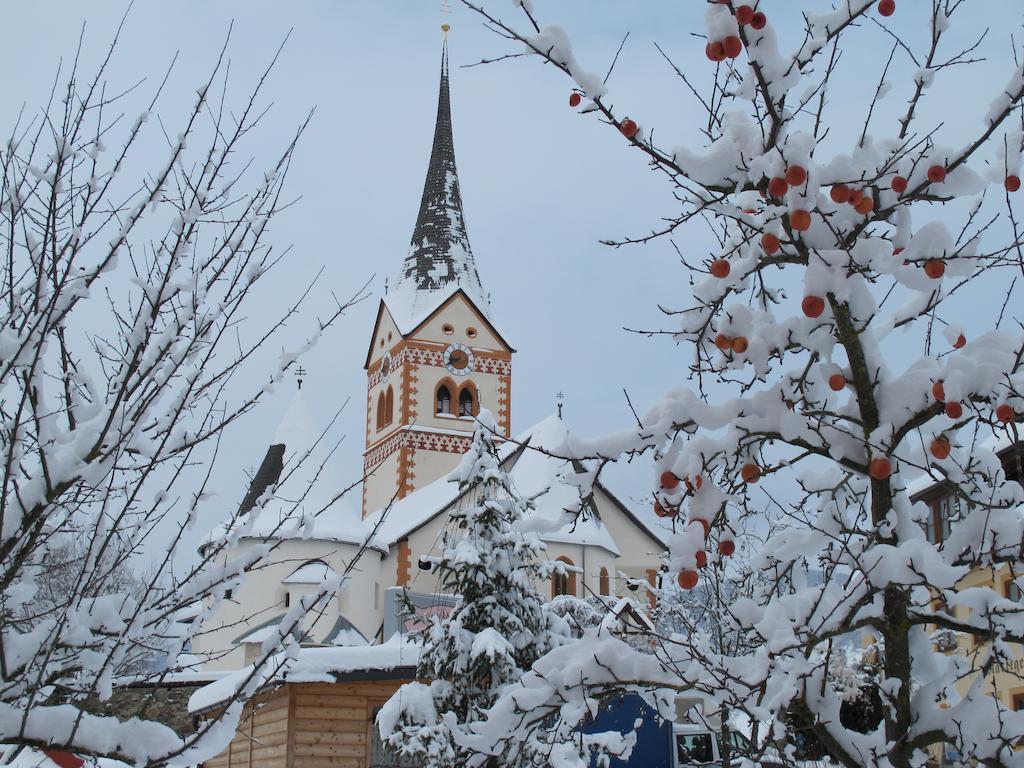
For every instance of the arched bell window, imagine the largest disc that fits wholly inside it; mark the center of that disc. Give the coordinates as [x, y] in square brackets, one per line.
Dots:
[389, 406]
[603, 585]
[563, 583]
[466, 405]
[381, 406]
[444, 400]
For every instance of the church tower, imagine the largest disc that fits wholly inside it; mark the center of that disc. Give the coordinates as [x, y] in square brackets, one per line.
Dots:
[435, 356]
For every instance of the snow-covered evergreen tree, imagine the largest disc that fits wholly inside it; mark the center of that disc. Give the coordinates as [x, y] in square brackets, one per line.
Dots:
[500, 626]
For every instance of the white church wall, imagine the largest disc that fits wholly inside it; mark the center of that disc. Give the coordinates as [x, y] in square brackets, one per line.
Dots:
[261, 597]
[639, 552]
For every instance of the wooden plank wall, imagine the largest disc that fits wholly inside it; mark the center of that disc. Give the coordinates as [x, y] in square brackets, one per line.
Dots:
[262, 737]
[331, 722]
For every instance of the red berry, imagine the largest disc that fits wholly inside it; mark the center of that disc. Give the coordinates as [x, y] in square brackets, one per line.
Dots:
[628, 128]
[778, 187]
[856, 195]
[732, 46]
[936, 174]
[961, 341]
[940, 447]
[723, 342]
[935, 268]
[669, 480]
[715, 51]
[840, 193]
[727, 547]
[813, 306]
[897, 252]
[744, 14]
[739, 345]
[837, 382]
[695, 485]
[769, 242]
[939, 391]
[758, 21]
[880, 468]
[1012, 183]
[688, 579]
[800, 220]
[702, 558]
[899, 184]
[795, 175]
[660, 511]
[575, 99]
[750, 473]
[1005, 413]
[886, 7]
[720, 268]
[954, 410]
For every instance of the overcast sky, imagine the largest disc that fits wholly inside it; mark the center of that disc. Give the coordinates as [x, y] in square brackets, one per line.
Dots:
[541, 184]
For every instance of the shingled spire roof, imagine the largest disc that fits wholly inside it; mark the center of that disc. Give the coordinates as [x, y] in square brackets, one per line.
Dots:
[439, 255]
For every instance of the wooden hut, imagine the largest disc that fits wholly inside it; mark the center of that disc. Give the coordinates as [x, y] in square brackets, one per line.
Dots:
[319, 713]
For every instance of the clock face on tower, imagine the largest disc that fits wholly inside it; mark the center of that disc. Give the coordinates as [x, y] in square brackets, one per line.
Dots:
[458, 359]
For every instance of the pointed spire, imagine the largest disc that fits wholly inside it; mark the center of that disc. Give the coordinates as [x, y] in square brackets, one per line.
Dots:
[439, 253]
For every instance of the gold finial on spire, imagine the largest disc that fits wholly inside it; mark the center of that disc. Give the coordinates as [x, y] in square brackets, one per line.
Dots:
[446, 9]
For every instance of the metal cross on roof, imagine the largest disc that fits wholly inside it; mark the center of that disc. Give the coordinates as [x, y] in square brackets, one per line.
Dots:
[300, 374]
[560, 398]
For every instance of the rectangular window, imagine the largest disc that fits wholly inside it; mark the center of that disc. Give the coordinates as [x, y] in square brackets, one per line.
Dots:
[1011, 590]
[227, 594]
[1018, 702]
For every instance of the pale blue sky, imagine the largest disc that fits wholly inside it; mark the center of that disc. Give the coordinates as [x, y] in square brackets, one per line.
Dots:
[541, 184]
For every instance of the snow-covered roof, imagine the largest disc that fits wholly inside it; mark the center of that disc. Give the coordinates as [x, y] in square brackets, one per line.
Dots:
[313, 572]
[537, 476]
[543, 480]
[317, 665]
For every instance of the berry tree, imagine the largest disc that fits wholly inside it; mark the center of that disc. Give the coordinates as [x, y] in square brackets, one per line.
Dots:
[841, 367]
[500, 626]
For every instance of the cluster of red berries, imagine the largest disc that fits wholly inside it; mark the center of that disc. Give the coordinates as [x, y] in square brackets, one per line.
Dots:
[863, 202]
[727, 48]
[747, 15]
[726, 546]
[737, 344]
[795, 176]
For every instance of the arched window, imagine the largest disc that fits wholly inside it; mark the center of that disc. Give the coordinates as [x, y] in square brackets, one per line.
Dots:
[602, 584]
[444, 400]
[380, 410]
[563, 583]
[466, 405]
[389, 406]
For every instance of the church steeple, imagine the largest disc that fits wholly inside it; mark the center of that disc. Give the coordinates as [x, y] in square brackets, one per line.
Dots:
[439, 254]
